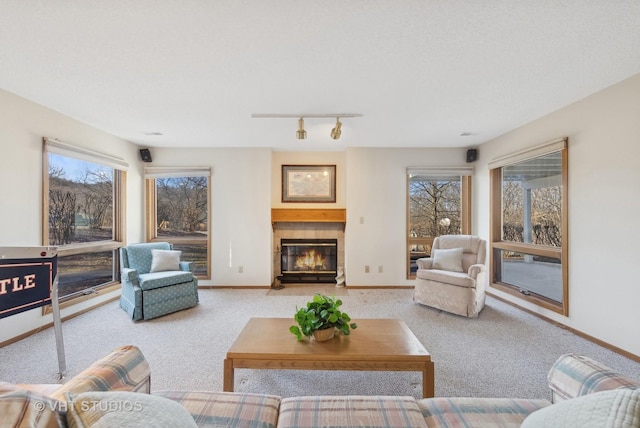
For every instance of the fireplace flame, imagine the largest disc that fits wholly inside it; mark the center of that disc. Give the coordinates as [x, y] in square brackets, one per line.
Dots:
[311, 260]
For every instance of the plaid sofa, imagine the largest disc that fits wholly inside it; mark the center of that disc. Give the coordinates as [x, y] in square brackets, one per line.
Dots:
[126, 369]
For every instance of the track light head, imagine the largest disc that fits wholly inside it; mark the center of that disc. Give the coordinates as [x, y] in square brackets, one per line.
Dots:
[337, 130]
[301, 134]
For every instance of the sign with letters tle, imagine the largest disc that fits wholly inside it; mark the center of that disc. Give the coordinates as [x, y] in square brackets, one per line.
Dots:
[26, 282]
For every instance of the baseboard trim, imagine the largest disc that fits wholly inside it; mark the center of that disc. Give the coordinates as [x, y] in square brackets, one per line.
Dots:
[234, 287]
[394, 287]
[595, 340]
[262, 287]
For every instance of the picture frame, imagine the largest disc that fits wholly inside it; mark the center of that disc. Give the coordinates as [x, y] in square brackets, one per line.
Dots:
[308, 183]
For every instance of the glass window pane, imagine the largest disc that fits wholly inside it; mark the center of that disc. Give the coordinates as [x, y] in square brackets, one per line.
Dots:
[182, 218]
[196, 253]
[531, 274]
[532, 201]
[417, 251]
[80, 201]
[82, 271]
[435, 206]
[182, 207]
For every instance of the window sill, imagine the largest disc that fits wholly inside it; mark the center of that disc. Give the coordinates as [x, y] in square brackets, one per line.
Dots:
[68, 302]
[532, 298]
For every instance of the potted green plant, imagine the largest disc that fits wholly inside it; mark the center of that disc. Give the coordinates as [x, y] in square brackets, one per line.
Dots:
[320, 318]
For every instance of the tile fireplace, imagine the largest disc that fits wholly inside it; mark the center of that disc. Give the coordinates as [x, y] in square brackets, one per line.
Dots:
[309, 226]
[308, 260]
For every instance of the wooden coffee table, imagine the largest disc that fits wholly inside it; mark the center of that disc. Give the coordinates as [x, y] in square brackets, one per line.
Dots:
[376, 345]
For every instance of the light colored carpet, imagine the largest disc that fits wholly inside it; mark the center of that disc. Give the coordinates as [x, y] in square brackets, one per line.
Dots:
[503, 353]
[309, 290]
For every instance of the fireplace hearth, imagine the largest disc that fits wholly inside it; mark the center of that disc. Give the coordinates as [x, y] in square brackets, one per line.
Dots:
[308, 260]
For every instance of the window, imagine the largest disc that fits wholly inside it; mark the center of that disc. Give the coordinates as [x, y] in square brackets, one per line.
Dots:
[529, 225]
[83, 216]
[439, 203]
[178, 212]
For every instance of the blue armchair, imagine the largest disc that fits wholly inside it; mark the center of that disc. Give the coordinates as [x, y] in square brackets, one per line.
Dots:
[155, 283]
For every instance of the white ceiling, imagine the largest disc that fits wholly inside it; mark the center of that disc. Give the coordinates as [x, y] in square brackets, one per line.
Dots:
[420, 72]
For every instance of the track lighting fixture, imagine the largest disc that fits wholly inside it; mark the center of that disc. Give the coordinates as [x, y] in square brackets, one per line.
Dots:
[335, 132]
[301, 134]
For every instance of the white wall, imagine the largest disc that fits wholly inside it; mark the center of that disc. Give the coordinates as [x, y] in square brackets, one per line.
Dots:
[376, 194]
[23, 124]
[604, 199]
[240, 211]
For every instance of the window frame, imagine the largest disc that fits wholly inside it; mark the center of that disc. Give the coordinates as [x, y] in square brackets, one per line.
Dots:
[119, 220]
[465, 206]
[496, 227]
[151, 215]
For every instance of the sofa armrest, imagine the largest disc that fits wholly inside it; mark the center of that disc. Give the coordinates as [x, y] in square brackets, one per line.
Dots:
[475, 270]
[124, 369]
[574, 375]
[425, 263]
[130, 275]
[187, 266]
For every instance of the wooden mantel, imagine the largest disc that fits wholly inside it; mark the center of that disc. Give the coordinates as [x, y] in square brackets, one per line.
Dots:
[308, 215]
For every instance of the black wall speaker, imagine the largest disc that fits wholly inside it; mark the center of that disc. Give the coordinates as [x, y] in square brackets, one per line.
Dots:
[472, 155]
[145, 154]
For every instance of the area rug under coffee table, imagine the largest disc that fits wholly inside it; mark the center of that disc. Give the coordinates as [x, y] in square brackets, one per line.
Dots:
[376, 345]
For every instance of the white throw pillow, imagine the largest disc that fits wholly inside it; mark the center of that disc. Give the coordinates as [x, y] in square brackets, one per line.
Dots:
[450, 260]
[615, 408]
[162, 260]
[106, 409]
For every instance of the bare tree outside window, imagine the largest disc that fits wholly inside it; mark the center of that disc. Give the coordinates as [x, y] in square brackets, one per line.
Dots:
[80, 221]
[182, 205]
[182, 217]
[545, 217]
[97, 198]
[80, 201]
[435, 208]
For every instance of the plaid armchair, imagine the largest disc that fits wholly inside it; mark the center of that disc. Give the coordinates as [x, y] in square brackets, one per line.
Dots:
[151, 289]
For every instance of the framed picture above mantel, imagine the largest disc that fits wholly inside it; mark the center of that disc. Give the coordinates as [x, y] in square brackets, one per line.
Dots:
[308, 183]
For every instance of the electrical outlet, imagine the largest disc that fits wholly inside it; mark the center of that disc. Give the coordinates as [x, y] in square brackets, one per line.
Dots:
[361, 220]
[240, 269]
[366, 268]
[380, 269]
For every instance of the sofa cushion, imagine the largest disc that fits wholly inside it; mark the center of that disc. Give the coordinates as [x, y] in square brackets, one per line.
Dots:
[227, 409]
[164, 260]
[22, 408]
[105, 409]
[454, 278]
[449, 260]
[149, 281]
[616, 408]
[477, 412]
[350, 411]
